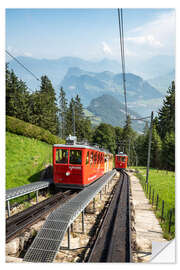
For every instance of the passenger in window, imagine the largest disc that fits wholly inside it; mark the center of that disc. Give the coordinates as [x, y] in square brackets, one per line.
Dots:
[64, 157]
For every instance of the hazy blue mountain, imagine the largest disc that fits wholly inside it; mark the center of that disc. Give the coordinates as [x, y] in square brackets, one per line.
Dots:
[91, 79]
[56, 69]
[162, 83]
[155, 66]
[109, 110]
[90, 85]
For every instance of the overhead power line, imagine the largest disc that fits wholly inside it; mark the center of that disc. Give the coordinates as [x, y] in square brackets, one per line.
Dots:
[121, 34]
[22, 65]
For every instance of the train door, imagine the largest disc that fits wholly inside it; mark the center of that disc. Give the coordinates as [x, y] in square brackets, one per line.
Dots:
[60, 164]
[75, 166]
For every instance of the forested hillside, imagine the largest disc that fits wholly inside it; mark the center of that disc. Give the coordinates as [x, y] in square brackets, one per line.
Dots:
[163, 136]
[61, 118]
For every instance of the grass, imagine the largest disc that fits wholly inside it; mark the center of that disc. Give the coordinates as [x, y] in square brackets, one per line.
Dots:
[163, 184]
[25, 158]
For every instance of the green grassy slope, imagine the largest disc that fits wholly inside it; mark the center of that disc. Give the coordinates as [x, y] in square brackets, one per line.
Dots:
[25, 158]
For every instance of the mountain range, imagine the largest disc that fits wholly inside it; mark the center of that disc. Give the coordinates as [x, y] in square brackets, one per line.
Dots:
[94, 79]
[56, 69]
[108, 109]
[90, 85]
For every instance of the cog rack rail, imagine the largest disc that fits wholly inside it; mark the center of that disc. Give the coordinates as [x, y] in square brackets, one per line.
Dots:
[48, 240]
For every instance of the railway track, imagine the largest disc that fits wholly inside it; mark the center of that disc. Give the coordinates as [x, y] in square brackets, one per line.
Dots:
[113, 243]
[18, 222]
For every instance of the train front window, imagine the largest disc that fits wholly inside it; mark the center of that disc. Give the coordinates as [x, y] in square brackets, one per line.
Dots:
[61, 156]
[75, 157]
[123, 159]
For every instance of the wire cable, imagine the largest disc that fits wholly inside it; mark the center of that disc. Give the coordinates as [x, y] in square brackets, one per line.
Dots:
[23, 66]
[121, 34]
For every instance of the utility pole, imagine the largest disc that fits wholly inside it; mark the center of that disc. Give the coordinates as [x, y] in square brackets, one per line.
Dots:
[74, 127]
[129, 154]
[149, 149]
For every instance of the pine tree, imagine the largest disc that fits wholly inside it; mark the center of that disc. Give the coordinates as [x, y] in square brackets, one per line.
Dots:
[48, 110]
[129, 136]
[75, 116]
[62, 112]
[166, 115]
[16, 96]
[70, 118]
[104, 136]
[119, 139]
[168, 151]
[156, 147]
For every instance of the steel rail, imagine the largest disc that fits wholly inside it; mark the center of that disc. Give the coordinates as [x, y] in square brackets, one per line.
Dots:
[18, 222]
[113, 243]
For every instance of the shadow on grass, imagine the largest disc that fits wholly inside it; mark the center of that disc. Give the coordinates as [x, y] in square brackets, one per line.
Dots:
[45, 174]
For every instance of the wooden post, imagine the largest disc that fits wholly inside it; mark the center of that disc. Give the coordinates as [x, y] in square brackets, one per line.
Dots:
[153, 197]
[94, 207]
[72, 229]
[83, 221]
[157, 201]
[69, 238]
[162, 210]
[8, 208]
[36, 196]
[170, 218]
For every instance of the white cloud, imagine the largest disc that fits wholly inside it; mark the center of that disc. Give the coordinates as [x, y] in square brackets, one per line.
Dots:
[28, 54]
[155, 37]
[106, 48]
[145, 40]
[18, 52]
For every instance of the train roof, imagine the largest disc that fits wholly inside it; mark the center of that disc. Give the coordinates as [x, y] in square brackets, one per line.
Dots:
[82, 146]
[121, 154]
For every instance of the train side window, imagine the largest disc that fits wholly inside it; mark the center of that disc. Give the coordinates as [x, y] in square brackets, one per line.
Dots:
[75, 157]
[95, 158]
[99, 158]
[87, 158]
[91, 158]
[61, 156]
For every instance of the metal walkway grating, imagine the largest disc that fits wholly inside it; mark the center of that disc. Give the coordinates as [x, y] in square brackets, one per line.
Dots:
[23, 190]
[48, 240]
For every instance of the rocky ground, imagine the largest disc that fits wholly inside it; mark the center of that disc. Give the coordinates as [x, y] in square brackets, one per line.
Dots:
[144, 228]
[79, 243]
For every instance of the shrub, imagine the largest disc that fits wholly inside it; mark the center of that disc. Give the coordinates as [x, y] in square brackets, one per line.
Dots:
[20, 127]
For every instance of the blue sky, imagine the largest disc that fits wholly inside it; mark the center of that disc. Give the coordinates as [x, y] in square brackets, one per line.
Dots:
[89, 33]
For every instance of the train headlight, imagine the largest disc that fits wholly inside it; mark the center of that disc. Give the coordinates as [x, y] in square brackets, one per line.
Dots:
[67, 173]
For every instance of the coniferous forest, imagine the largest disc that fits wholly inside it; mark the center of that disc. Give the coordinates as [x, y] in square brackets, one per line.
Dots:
[41, 107]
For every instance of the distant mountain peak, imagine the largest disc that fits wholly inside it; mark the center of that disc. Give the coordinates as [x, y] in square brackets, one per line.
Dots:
[111, 111]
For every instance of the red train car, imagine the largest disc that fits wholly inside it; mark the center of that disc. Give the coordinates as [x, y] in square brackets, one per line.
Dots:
[121, 161]
[76, 166]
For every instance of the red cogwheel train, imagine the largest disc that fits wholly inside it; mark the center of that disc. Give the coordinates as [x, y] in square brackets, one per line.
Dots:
[121, 161]
[79, 165]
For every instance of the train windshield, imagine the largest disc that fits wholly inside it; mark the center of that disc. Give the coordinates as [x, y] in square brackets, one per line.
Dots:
[62, 156]
[75, 157]
[123, 159]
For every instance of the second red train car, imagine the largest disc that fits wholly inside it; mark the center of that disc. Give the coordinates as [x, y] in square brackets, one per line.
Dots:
[121, 161]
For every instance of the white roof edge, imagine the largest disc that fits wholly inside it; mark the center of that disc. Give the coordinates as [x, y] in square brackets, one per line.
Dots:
[79, 146]
[121, 155]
